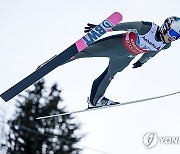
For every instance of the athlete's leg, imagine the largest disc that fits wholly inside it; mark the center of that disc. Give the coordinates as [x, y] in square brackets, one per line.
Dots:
[102, 82]
[111, 46]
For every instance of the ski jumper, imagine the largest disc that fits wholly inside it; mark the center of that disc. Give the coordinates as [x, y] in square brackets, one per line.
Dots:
[121, 49]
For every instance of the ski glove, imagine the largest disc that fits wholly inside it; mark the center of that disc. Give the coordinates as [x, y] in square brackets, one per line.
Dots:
[89, 27]
[137, 64]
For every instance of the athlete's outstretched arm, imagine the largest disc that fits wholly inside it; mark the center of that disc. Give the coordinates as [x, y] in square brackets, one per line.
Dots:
[144, 58]
[140, 26]
[128, 25]
[137, 25]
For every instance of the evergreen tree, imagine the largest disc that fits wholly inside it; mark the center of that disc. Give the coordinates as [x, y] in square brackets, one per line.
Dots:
[3, 109]
[56, 135]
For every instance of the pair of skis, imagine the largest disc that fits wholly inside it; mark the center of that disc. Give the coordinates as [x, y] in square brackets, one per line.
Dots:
[109, 106]
[58, 60]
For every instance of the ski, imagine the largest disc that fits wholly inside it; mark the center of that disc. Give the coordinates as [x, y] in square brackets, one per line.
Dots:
[110, 106]
[57, 60]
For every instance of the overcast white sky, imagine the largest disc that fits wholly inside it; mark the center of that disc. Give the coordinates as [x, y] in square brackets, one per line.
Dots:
[33, 31]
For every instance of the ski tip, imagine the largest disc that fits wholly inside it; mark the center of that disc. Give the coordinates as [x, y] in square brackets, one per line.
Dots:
[115, 18]
[118, 14]
[1, 98]
[4, 98]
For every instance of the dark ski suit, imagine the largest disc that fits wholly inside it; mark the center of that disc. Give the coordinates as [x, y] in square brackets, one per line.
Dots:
[119, 56]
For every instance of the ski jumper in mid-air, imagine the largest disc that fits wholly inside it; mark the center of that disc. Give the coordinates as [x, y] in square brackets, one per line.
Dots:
[141, 37]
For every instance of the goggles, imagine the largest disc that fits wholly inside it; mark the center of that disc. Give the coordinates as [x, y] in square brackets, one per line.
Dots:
[173, 34]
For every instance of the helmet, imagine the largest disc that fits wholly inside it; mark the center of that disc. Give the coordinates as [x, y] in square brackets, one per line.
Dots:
[171, 26]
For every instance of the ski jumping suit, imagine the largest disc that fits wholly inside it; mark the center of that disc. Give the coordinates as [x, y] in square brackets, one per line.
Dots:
[141, 37]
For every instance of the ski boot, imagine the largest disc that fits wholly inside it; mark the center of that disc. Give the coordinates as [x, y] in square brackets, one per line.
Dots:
[102, 101]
